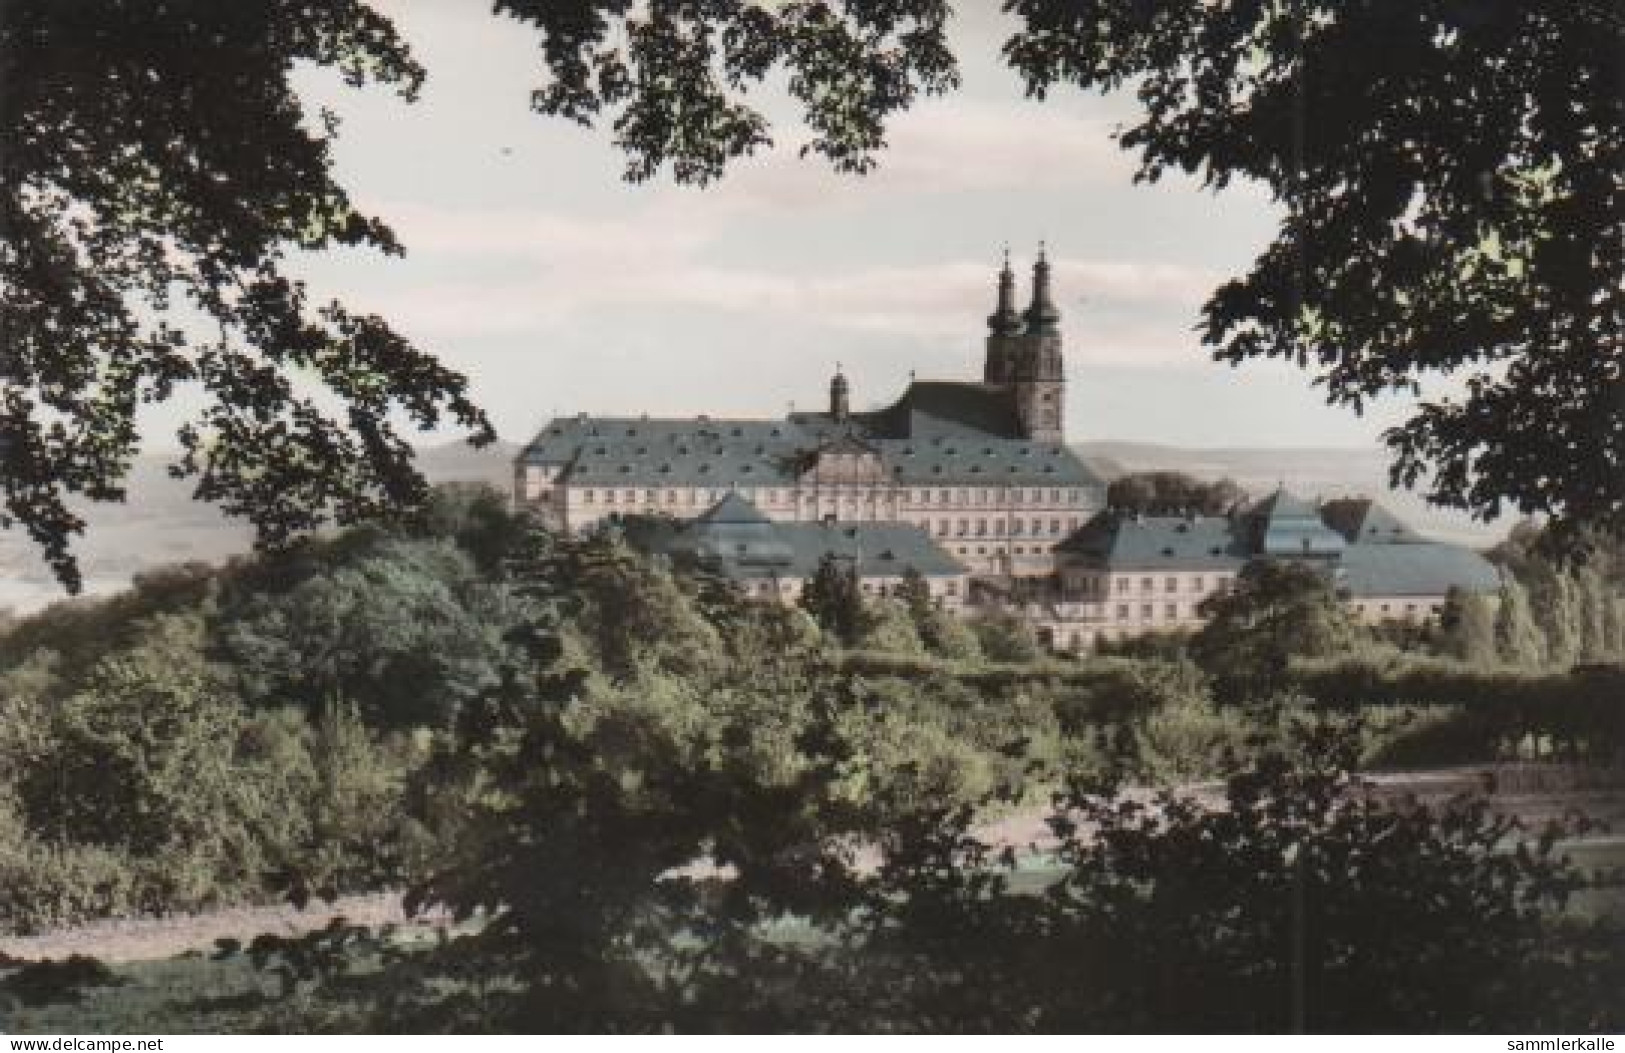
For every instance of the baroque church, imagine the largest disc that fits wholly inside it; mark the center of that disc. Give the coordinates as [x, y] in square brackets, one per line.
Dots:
[970, 484]
[982, 468]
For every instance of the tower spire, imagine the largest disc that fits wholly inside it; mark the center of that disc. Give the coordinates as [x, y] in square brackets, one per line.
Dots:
[1004, 321]
[840, 396]
[1042, 315]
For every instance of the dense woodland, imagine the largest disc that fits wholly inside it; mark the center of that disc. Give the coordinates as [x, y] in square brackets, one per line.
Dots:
[541, 733]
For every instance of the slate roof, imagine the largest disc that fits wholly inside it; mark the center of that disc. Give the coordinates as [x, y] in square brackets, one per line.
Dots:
[1388, 559]
[1362, 521]
[1418, 568]
[938, 433]
[734, 538]
[1126, 542]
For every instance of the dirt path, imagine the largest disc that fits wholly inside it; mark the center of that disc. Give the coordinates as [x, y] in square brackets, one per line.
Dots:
[142, 939]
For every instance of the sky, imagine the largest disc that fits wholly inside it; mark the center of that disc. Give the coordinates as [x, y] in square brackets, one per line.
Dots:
[558, 288]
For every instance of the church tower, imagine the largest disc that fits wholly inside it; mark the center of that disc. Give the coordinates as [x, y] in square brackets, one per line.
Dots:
[840, 397]
[1004, 331]
[1038, 377]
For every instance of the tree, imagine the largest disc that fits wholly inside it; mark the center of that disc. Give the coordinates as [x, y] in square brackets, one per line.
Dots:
[1517, 638]
[1461, 214]
[889, 628]
[832, 596]
[157, 169]
[406, 631]
[1468, 622]
[1005, 636]
[1277, 609]
[1304, 902]
[914, 594]
[1172, 494]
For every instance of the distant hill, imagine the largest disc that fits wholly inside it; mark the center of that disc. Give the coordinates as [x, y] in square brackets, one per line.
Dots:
[161, 524]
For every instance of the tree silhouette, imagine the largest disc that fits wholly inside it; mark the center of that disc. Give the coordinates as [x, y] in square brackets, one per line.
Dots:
[157, 170]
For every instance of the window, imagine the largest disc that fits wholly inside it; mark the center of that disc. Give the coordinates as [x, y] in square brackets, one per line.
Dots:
[1170, 585]
[942, 528]
[587, 497]
[1015, 528]
[1122, 612]
[964, 527]
[1055, 497]
[650, 496]
[998, 528]
[1147, 585]
[1122, 584]
[981, 528]
[942, 497]
[952, 588]
[1019, 494]
[1054, 526]
[1196, 584]
[1145, 612]
[1171, 611]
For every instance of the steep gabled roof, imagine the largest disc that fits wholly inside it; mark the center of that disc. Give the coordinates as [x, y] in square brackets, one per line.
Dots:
[938, 407]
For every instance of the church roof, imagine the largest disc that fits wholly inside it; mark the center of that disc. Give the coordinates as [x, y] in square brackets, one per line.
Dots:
[945, 407]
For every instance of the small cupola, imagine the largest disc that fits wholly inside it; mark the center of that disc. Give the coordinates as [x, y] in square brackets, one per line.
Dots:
[840, 397]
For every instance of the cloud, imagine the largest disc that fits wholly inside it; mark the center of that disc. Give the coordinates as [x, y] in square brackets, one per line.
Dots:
[570, 274]
[943, 146]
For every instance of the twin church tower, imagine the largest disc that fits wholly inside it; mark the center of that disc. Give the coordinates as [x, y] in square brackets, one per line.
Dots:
[1024, 354]
[1022, 392]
